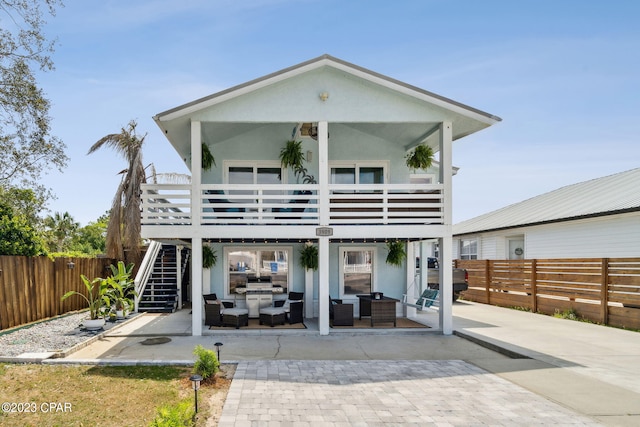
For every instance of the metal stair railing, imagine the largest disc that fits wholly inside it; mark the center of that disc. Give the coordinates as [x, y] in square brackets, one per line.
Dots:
[146, 267]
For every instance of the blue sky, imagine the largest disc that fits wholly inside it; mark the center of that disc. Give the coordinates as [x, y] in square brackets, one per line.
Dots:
[562, 74]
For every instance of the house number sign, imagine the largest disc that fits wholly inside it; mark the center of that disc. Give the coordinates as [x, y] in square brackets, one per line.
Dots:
[324, 231]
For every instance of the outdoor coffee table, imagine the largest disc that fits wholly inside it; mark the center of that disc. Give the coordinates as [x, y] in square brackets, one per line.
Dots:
[380, 310]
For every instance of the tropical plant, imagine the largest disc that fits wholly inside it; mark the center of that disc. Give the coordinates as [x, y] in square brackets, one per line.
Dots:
[209, 257]
[123, 231]
[291, 156]
[59, 231]
[207, 363]
[396, 253]
[121, 286]
[420, 158]
[207, 158]
[309, 257]
[97, 297]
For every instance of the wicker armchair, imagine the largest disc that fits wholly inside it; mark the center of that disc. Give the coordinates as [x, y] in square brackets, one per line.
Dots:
[213, 309]
[340, 314]
[212, 314]
[294, 307]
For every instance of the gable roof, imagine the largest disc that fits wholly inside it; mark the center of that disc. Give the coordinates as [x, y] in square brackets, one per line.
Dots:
[613, 194]
[322, 61]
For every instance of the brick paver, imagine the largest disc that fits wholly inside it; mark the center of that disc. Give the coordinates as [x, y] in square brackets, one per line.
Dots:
[383, 393]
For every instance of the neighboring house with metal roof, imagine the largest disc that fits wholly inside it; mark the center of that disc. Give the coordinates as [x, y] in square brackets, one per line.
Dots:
[597, 218]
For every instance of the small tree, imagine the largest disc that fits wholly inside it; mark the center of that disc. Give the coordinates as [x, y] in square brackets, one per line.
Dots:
[123, 231]
[207, 364]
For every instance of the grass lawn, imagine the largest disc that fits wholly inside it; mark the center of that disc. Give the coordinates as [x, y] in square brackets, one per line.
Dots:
[59, 395]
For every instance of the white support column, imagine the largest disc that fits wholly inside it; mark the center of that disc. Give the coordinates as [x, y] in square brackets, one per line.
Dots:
[196, 172]
[196, 287]
[323, 172]
[323, 285]
[179, 274]
[411, 279]
[308, 293]
[196, 242]
[446, 253]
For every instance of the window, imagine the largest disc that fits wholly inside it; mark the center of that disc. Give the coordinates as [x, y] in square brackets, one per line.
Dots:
[356, 271]
[469, 249]
[245, 263]
[357, 174]
[253, 173]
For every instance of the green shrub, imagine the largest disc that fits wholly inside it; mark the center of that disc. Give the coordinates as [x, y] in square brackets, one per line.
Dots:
[179, 415]
[207, 364]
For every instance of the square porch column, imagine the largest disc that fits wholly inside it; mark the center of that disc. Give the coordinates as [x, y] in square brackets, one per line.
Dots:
[446, 260]
[323, 242]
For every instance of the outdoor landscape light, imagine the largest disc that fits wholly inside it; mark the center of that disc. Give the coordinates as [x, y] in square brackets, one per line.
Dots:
[195, 381]
[218, 345]
[70, 265]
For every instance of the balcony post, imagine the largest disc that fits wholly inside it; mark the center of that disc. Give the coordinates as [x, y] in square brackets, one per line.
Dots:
[323, 173]
[446, 243]
[196, 172]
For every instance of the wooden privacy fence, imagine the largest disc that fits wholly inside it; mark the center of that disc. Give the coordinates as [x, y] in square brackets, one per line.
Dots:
[603, 290]
[31, 287]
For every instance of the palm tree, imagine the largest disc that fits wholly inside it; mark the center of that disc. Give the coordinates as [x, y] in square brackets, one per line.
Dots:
[123, 231]
[60, 229]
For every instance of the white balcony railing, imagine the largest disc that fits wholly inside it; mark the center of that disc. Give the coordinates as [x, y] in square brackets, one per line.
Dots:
[171, 204]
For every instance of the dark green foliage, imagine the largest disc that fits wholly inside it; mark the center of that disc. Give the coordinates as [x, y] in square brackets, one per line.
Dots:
[207, 158]
[209, 257]
[420, 158]
[17, 236]
[309, 257]
[396, 253]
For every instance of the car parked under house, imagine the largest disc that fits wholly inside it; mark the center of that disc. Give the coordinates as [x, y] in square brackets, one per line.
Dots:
[355, 195]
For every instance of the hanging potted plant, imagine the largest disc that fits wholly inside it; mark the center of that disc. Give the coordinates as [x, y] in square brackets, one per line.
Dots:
[309, 257]
[291, 156]
[396, 253]
[207, 158]
[209, 257]
[420, 158]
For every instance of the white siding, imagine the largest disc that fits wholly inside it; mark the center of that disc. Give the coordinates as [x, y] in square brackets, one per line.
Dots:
[611, 236]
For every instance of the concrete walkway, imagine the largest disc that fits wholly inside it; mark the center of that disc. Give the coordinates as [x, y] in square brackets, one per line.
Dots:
[543, 371]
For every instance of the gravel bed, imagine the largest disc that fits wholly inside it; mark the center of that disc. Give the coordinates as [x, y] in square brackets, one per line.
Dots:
[58, 334]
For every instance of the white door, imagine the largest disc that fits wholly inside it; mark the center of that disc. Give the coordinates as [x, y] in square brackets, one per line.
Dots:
[516, 248]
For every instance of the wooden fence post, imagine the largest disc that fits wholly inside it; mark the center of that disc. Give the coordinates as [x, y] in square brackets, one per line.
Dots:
[487, 279]
[604, 291]
[534, 283]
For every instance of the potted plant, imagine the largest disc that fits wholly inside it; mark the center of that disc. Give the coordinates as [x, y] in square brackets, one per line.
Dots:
[309, 257]
[121, 289]
[291, 156]
[420, 158]
[97, 299]
[209, 257]
[396, 253]
[207, 158]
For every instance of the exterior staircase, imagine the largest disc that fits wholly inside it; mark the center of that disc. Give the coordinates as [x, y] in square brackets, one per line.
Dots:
[161, 291]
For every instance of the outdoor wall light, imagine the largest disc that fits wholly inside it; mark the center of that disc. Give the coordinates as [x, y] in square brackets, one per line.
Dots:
[195, 381]
[218, 345]
[324, 96]
[70, 265]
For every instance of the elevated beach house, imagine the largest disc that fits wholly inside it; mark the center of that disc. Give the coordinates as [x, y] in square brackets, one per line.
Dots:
[349, 196]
